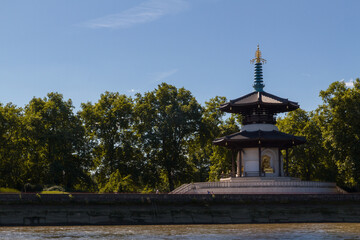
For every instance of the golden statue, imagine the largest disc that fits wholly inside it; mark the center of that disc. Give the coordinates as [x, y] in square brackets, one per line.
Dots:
[265, 165]
[258, 58]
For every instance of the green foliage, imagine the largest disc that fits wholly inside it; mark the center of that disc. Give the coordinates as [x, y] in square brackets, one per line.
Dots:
[112, 140]
[211, 161]
[118, 183]
[333, 136]
[55, 143]
[339, 120]
[53, 192]
[221, 157]
[160, 140]
[306, 160]
[13, 168]
[9, 190]
[201, 148]
[167, 119]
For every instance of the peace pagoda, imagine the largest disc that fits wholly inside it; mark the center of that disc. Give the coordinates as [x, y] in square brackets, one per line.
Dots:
[257, 148]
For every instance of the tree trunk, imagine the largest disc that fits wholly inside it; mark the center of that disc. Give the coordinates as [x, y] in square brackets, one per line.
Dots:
[170, 179]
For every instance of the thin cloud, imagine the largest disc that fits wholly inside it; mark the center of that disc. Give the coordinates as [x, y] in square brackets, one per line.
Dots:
[132, 90]
[148, 11]
[349, 83]
[163, 75]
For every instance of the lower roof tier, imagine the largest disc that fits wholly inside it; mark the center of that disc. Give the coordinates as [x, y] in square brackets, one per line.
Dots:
[246, 139]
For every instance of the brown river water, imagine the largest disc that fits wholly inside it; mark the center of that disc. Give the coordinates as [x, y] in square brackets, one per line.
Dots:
[218, 231]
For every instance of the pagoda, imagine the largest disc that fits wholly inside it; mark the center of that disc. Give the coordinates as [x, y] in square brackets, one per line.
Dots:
[258, 147]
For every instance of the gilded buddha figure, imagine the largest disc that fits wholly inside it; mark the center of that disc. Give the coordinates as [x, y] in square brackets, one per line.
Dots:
[265, 165]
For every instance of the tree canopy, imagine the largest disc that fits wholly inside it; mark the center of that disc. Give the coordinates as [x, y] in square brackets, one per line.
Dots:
[167, 119]
[161, 139]
[332, 130]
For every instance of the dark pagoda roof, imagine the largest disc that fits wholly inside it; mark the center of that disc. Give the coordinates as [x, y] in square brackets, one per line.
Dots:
[247, 139]
[245, 104]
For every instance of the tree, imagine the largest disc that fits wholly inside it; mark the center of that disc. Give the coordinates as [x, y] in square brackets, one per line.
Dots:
[306, 160]
[13, 168]
[332, 132]
[118, 183]
[210, 160]
[167, 119]
[109, 130]
[221, 157]
[339, 121]
[56, 143]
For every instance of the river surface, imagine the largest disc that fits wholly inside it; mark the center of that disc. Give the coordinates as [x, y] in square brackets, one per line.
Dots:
[218, 231]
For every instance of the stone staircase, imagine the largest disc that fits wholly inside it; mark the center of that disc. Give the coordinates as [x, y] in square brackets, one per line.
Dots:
[259, 185]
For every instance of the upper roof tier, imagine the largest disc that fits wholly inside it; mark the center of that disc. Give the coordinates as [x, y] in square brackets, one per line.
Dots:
[259, 103]
[259, 100]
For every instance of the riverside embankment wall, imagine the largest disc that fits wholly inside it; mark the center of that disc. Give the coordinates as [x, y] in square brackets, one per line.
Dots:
[103, 209]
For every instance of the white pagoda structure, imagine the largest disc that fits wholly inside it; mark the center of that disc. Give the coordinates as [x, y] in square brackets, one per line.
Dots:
[257, 148]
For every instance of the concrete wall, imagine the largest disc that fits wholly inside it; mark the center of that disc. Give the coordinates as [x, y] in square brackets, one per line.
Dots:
[101, 209]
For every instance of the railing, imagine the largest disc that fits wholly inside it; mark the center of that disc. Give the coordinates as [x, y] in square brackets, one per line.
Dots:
[258, 118]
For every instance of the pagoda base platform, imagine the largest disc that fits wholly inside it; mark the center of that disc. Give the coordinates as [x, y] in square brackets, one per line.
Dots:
[259, 185]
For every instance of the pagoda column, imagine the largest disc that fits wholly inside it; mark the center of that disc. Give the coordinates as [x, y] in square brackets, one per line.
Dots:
[238, 163]
[287, 162]
[232, 164]
[279, 159]
[259, 160]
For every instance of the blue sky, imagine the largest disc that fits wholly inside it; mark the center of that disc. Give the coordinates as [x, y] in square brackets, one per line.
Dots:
[83, 48]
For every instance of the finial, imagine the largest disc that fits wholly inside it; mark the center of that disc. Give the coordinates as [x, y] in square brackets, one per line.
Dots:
[258, 58]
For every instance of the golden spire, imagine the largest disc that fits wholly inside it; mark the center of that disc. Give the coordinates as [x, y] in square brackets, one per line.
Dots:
[258, 58]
